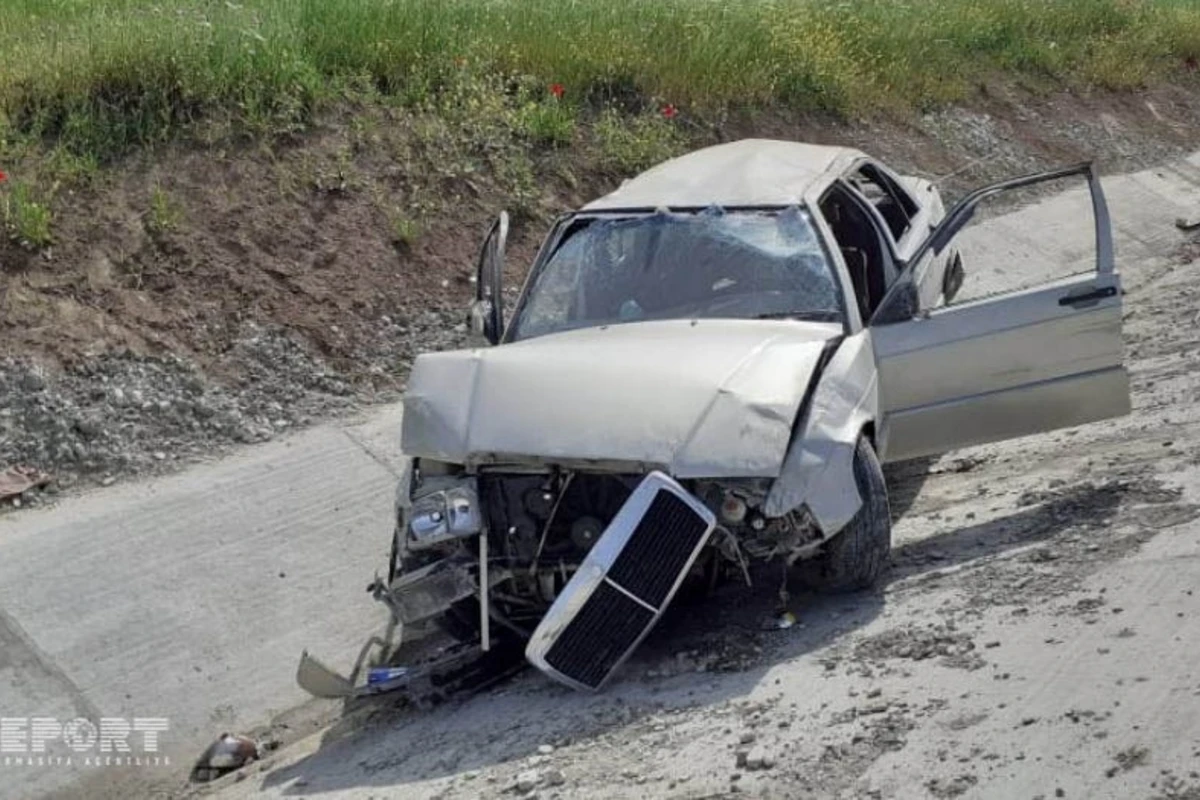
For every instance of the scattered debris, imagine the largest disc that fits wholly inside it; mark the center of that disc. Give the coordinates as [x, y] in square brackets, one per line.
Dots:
[227, 753]
[956, 648]
[958, 465]
[759, 759]
[15, 481]
[528, 780]
[951, 788]
[782, 622]
[1128, 759]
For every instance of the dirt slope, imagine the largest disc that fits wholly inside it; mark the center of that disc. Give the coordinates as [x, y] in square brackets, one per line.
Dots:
[199, 298]
[1035, 637]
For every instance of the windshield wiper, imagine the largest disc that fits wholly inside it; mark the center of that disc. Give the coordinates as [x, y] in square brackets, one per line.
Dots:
[807, 316]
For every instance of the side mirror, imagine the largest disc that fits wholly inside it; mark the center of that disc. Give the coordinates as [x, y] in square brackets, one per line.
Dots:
[479, 319]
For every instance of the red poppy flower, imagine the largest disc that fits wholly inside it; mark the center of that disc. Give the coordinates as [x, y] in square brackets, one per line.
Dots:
[1190, 64]
[3, 176]
[557, 89]
[669, 111]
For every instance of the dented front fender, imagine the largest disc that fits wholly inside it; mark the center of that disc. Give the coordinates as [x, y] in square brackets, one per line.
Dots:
[818, 470]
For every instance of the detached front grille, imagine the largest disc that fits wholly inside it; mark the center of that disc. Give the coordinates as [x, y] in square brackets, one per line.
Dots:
[659, 550]
[603, 631]
[623, 585]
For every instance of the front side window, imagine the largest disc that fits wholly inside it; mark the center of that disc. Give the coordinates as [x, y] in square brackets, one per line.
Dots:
[668, 265]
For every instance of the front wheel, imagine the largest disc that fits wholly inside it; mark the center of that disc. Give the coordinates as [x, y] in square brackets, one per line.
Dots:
[858, 554]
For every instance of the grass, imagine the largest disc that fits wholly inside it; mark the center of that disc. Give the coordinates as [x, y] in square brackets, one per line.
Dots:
[630, 145]
[25, 217]
[99, 77]
[405, 230]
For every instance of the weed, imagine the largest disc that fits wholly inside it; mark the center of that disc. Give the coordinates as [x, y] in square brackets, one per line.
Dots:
[515, 175]
[164, 215]
[405, 229]
[69, 168]
[340, 177]
[546, 123]
[631, 145]
[26, 219]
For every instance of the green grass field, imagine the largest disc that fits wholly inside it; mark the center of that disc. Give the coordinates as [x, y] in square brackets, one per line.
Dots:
[102, 76]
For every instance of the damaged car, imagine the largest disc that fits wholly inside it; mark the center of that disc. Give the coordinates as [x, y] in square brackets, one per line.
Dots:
[706, 369]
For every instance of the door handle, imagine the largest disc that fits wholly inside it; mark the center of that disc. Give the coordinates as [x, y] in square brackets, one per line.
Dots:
[1088, 297]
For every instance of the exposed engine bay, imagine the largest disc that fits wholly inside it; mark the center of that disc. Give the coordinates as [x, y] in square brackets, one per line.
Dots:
[526, 536]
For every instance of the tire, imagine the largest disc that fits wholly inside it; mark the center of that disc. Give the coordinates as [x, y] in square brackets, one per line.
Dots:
[858, 554]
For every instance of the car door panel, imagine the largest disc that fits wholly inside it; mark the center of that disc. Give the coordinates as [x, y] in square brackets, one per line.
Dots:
[1007, 365]
[995, 343]
[999, 368]
[995, 416]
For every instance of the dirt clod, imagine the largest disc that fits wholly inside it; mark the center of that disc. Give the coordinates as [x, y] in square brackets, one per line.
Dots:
[956, 648]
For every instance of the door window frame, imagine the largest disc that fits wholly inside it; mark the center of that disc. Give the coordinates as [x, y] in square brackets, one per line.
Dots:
[964, 210]
[887, 243]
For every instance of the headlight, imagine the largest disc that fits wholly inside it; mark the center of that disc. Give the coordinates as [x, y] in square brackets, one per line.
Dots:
[446, 514]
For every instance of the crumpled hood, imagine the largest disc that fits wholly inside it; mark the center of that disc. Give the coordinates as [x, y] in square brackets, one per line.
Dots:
[705, 398]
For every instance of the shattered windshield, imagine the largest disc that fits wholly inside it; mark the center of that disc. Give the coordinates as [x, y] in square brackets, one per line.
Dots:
[667, 265]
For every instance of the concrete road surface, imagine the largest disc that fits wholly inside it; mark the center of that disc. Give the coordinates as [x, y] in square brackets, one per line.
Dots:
[191, 597]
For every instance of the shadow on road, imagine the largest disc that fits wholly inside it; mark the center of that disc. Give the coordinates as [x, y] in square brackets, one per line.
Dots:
[400, 746]
[1084, 506]
[904, 482]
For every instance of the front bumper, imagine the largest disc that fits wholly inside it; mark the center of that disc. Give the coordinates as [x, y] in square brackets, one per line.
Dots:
[606, 609]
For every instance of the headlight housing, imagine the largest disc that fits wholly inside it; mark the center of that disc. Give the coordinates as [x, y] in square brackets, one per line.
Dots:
[441, 514]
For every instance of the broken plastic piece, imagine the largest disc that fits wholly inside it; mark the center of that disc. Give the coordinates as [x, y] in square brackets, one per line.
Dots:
[379, 675]
[320, 681]
[229, 752]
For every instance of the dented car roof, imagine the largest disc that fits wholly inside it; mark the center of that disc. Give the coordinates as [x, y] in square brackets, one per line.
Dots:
[750, 172]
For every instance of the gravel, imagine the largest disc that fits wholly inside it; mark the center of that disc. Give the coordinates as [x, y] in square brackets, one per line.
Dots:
[121, 415]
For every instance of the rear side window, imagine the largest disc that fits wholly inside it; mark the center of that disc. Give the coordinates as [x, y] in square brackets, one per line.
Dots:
[889, 198]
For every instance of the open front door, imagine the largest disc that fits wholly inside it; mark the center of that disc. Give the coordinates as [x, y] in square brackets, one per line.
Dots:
[1030, 350]
[487, 312]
